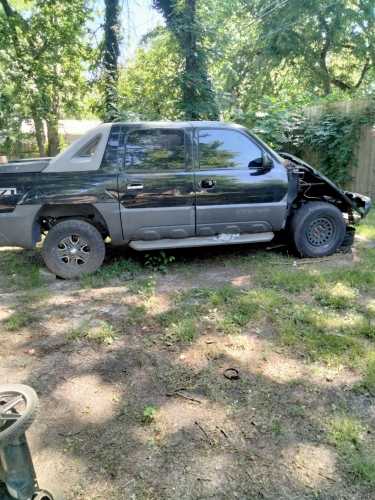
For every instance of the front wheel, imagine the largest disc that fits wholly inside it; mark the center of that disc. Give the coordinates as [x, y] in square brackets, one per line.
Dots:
[318, 229]
[73, 248]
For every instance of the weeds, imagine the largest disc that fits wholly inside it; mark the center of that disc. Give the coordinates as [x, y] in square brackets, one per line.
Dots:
[21, 269]
[18, 320]
[100, 332]
[149, 414]
[159, 261]
[122, 269]
[347, 434]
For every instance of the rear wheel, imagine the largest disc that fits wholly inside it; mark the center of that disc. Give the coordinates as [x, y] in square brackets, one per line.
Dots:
[318, 229]
[73, 248]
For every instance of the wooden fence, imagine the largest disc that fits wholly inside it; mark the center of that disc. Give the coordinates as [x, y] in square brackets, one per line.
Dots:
[363, 172]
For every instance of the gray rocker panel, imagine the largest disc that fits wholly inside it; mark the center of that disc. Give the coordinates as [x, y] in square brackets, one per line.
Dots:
[220, 239]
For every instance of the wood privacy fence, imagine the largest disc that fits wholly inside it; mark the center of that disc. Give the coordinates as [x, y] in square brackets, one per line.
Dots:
[363, 171]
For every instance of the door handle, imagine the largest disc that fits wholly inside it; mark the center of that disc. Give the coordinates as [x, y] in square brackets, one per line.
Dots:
[134, 187]
[208, 183]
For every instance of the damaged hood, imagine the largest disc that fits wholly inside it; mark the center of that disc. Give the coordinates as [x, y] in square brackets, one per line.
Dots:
[358, 202]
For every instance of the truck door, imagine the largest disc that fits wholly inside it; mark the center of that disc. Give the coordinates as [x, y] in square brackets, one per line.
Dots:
[234, 195]
[156, 184]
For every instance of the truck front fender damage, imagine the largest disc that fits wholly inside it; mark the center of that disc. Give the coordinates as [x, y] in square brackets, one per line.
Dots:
[312, 186]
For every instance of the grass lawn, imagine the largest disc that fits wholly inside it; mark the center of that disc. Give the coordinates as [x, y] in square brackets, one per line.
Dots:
[130, 366]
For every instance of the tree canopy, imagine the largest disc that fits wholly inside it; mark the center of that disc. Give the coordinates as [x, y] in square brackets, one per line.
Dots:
[229, 59]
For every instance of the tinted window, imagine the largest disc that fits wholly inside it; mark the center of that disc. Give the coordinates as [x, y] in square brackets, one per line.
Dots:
[226, 149]
[114, 153]
[155, 150]
[88, 150]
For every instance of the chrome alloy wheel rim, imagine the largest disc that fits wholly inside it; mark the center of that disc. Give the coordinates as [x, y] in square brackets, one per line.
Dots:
[73, 251]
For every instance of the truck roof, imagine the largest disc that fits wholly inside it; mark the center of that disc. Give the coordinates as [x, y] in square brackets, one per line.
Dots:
[181, 124]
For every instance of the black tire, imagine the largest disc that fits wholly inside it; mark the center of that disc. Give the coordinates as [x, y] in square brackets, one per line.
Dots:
[15, 421]
[318, 229]
[73, 248]
[43, 495]
[346, 245]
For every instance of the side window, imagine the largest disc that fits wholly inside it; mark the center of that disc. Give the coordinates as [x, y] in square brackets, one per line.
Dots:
[155, 150]
[226, 149]
[114, 152]
[88, 150]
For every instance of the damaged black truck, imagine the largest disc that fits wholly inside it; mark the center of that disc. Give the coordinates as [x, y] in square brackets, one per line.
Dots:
[169, 185]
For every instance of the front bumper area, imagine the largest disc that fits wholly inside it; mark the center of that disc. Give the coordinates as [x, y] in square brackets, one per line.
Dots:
[18, 228]
[361, 203]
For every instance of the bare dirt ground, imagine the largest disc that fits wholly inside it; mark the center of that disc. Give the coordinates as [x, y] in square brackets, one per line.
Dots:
[129, 412]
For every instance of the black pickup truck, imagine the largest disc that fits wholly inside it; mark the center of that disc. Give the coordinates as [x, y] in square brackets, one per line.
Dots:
[169, 185]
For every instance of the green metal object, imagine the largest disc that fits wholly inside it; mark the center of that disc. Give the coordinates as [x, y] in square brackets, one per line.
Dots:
[18, 409]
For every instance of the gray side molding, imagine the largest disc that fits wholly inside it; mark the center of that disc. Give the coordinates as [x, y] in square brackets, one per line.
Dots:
[19, 228]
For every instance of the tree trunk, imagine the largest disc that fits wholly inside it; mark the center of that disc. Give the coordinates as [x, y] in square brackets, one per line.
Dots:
[110, 59]
[39, 133]
[198, 99]
[53, 136]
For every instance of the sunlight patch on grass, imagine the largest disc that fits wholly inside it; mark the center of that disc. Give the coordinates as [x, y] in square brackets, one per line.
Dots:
[366, 228]
[340, 296]
[100, 332]
[18, 320]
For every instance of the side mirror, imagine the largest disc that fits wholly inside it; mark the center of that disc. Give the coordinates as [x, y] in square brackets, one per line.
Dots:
[261, 165]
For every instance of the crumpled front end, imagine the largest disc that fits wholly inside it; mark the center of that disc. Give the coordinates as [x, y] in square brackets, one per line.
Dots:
[313, 185]
[361, 203]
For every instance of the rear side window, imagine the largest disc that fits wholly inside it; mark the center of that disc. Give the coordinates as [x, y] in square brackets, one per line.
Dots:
[114, 152]
[155, 150]
[88, 150]
[226, 149]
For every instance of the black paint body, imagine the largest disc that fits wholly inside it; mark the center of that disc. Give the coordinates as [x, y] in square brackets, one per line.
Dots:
[169, 198]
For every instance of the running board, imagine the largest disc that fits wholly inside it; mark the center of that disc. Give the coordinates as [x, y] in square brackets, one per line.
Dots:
[201, 241]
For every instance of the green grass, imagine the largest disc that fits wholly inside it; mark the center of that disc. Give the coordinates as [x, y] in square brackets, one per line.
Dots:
[143, 286]
[121, 269]
[290, 279]
[347, 435]
[18, 320]
[100, 332]
[339, 296]
[21, 269]
[368, 381]
[367, 227]
[149, 414]
[183, 330]
[344, 431]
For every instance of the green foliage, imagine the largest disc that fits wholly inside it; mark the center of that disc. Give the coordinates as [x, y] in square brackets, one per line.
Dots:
[198, 99]
[42, 58]
[149, 414]
[149, 84]
[330, 137]
[111, 52]
[159, 261]
[334, 136]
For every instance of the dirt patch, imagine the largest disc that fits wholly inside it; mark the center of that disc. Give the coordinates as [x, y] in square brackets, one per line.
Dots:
[129, 414]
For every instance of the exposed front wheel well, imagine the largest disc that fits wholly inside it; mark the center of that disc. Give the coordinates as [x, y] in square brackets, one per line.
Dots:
[50, 215]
